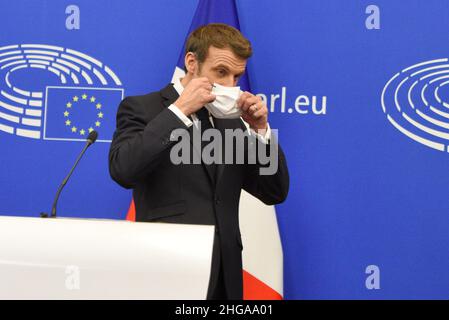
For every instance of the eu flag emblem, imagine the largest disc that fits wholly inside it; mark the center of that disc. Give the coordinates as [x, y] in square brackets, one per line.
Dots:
[71, 113]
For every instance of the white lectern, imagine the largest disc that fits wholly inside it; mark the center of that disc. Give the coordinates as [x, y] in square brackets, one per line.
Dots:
[103, 259]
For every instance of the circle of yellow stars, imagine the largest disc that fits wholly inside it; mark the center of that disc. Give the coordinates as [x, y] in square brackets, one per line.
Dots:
[69, 107]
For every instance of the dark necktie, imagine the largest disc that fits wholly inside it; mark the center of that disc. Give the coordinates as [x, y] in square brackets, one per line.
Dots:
[203, 117]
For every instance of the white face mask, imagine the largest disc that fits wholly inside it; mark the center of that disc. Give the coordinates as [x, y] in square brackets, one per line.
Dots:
[225, 104]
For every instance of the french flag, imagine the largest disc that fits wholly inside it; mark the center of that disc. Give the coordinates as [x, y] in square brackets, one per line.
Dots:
[262, 253]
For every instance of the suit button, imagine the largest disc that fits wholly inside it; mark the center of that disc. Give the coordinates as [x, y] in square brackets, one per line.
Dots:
[217, 201]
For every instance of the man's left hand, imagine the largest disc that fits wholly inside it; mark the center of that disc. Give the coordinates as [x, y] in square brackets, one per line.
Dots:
[254, 111]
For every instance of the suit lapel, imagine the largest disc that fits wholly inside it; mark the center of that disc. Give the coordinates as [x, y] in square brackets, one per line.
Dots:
[169, 94]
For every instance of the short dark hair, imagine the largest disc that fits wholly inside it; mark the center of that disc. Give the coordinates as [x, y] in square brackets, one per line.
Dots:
[218, 35]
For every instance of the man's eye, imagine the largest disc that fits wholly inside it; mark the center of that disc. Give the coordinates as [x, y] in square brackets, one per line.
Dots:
[222, 72]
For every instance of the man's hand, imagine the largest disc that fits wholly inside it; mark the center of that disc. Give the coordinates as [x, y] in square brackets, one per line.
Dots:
[195, 95]
[254, 111]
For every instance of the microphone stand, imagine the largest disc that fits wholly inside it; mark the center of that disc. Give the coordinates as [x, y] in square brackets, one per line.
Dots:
[64, 182]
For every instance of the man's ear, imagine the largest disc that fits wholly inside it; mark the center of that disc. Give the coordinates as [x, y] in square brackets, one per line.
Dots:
[191, 62]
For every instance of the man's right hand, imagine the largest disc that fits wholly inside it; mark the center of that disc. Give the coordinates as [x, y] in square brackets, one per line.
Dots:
[195, 95]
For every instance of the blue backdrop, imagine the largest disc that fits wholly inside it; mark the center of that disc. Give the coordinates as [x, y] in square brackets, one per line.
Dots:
[367, 214]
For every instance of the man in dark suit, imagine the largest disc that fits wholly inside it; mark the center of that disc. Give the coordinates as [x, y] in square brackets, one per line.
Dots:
[202, 193]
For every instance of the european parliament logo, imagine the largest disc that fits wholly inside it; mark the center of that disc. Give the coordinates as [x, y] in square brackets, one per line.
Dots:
[56, 93]
[416, 102]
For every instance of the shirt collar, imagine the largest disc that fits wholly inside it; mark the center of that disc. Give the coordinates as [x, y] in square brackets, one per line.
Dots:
[178, 86]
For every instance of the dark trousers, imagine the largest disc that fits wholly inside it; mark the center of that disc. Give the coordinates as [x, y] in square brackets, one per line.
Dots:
[217, 288]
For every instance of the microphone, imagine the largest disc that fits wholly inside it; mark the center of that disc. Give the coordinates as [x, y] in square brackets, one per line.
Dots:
[90, 140]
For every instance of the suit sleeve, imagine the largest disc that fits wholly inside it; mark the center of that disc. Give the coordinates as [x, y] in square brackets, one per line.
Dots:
[270, 188]
[139, 144]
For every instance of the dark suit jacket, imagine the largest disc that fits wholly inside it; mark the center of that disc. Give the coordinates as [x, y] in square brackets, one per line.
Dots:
[187, 193]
